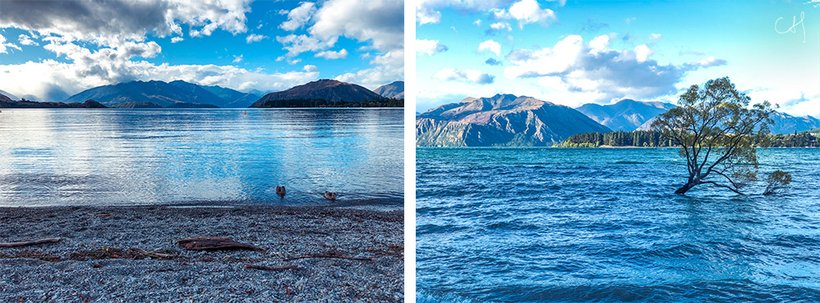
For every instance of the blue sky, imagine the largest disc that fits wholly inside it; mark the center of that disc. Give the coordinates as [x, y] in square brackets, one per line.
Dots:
[577, 52]
[52, 49]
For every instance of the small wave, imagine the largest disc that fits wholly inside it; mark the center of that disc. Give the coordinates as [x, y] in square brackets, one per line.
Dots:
[424, 297]
[629, 162]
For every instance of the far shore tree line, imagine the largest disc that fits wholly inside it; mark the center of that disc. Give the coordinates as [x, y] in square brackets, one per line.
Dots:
[717, 130]
[652, 138]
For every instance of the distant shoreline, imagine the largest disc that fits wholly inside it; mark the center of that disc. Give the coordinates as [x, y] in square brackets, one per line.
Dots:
[94, 260]
[205, 108]
[561, 147]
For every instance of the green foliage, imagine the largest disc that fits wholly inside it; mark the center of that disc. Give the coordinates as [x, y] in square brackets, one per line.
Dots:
[716, 129]
[778, 181]
[618, 139]
[655, 139]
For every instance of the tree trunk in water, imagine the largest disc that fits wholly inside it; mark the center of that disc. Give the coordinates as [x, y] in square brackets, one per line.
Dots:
[686, 187]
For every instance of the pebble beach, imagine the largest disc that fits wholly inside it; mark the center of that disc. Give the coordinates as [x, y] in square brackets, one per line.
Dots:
[127, 254]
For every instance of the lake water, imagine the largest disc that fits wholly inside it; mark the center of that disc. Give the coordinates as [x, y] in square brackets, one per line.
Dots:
[568, 225]
[183, 156]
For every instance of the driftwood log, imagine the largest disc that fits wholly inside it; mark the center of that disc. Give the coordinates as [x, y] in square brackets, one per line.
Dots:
[215, 243]
[30, 243]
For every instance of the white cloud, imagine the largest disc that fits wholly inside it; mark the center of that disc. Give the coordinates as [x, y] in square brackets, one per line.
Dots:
[332, 55]
[255, 38]
[177, 39]
[237, 59]
[427, 11]
[297, 44]
[5, 46]
[470, 75]
[593, 72]
[642, 53]
[299, 16]
[428, 17]
[124, 20]
[655, 36]
[526, 12]
[599, 44]
[491, 46]
[558, 59]
[430, 47]
[386, 68]
[26, 40]
[310, 68]
[377, 21]
[501, 26]
[709, 61]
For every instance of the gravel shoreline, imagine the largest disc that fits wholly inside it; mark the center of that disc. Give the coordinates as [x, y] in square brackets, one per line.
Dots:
[130, 254]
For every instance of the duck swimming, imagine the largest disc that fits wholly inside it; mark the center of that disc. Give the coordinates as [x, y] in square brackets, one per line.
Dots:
[330, 196]
[280, 191]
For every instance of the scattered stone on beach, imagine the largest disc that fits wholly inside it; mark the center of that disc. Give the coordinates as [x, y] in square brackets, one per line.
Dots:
[47, 273]
[116, 253]
[329, 255]
[272, 268]
[30, 243]
[215, 243]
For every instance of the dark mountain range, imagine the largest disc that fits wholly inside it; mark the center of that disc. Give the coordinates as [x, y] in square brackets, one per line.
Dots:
[6, 102]
[322, 93]
[174, 94]
[393, 90]
[7, 95]
[625, 115]
[232, 98]
[501, 120]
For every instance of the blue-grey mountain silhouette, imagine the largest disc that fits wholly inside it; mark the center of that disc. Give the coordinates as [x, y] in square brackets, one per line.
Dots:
[625, 115]
[393, 90]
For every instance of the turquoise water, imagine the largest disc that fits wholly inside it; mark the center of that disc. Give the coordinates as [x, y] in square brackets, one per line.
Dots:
[603, 225]
[182, 156]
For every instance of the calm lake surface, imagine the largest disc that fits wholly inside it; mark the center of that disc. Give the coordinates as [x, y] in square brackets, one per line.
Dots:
[183, 156]
[568, 225]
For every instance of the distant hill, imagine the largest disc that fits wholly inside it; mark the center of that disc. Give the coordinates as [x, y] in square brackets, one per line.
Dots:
[324, 93]
[625, 115]
[6, 102]
[7, 95]
[783, 124]
[788, 124]
[232, 98]
[501, 120]
[174, 94]
[393, 90]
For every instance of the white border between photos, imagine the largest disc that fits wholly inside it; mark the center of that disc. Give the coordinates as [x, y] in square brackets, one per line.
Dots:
[409, 151]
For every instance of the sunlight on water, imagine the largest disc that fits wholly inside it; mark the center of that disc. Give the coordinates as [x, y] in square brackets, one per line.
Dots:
[125, 157]
[534, 225]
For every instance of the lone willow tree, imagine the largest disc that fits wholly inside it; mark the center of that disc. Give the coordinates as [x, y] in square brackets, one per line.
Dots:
[716, 129]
